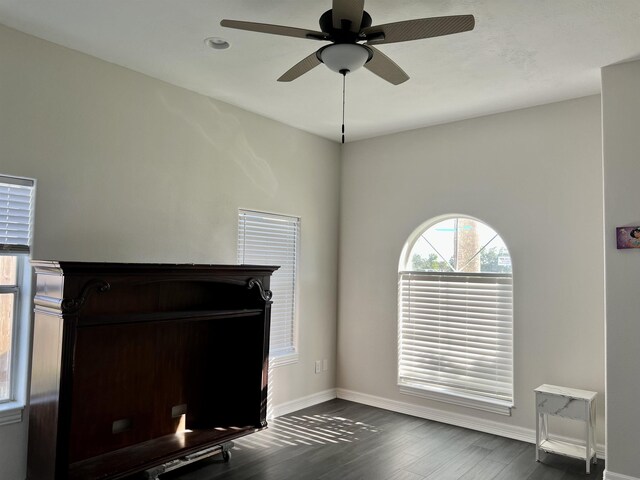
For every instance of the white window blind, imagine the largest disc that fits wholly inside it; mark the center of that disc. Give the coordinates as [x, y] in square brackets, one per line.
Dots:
[456, 334]
[16, 197]
[269, 239]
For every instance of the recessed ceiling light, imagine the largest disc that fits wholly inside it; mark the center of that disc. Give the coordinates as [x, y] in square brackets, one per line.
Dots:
[216, 43]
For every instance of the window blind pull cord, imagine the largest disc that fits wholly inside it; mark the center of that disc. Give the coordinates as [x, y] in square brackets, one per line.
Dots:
[344, 78]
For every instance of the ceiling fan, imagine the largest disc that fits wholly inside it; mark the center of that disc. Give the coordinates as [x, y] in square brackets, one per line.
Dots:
[348, 27]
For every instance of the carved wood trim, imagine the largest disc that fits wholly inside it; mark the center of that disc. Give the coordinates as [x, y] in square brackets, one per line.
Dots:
[73, 305]
[264, 294]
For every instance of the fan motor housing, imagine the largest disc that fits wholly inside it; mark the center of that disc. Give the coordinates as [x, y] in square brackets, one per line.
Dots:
[342, 35]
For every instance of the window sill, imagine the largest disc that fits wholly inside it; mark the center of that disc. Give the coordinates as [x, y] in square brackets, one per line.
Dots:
[10, 412]
[281, 360]
[501, 408]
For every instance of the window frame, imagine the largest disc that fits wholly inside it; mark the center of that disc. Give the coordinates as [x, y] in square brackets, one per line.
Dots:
[12, 409]
[443, 394]
[292, 356]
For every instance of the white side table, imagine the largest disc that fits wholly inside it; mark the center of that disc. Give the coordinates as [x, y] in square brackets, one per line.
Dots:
[567, 403]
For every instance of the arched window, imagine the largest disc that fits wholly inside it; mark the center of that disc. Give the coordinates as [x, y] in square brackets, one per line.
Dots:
[455, 325]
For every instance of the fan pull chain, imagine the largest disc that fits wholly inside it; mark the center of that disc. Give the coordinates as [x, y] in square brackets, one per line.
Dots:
[344, 79]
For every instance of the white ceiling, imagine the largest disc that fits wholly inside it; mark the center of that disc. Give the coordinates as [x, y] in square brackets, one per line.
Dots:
[521, 53]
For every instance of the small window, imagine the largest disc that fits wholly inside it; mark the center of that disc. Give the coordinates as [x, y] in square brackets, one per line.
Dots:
[11, 269]
[16, 218]
[269, 239]
[456, 315]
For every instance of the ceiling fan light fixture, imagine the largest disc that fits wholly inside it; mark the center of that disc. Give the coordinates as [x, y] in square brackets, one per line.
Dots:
[344, 57]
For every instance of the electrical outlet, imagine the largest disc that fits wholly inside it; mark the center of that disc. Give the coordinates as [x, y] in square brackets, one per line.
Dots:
[325, 365]
[318, 366]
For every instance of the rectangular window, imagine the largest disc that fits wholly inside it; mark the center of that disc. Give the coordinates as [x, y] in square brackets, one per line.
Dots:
[456, 338]
[270, 239]
[16, 220]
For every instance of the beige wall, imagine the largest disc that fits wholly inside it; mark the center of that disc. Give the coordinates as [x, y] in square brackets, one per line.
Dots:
[621, 117]
[132, 169]
[535, 176]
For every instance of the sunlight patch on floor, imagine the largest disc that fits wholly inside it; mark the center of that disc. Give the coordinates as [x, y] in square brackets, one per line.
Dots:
[308, 430]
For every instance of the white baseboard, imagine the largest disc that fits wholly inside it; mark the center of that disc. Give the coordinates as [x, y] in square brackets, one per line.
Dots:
[304, 402]
[617, 476]
[465, 421]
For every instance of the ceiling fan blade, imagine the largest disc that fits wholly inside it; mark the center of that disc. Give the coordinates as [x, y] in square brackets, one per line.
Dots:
[300, 68]
[275, 29]
[419, 28]
[350, 10]
[385, 68]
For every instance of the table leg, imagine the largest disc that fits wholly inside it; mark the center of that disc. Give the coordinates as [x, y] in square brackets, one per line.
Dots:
[589, 436]
[538, 417]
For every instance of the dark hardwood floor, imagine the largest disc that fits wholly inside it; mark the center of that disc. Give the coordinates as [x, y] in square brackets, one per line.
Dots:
[346, 440]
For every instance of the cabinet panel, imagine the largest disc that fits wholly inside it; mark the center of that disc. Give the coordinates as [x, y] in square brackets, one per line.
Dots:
[45, 393]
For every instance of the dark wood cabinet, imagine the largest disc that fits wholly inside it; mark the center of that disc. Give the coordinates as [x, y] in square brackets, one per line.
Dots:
[135, 365]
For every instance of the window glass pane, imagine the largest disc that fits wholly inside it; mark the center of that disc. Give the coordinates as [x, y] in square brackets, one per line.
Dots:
[495, 257]
[459, 245]
[433, 251]
[8, 270]
[6, 328]
[468, 245]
